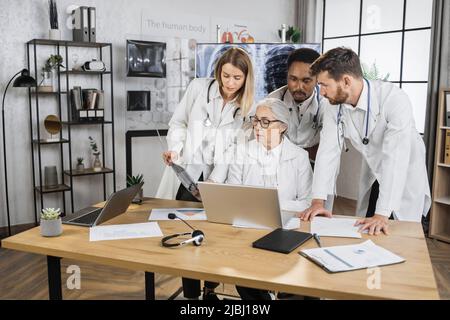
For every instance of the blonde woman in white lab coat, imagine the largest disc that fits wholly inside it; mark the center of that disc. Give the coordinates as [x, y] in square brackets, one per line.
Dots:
[271, 160]
[376, 117]
[207, 120]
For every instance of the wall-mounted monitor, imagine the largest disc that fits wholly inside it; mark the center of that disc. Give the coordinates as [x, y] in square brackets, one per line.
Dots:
[146, 59]
[269, 62]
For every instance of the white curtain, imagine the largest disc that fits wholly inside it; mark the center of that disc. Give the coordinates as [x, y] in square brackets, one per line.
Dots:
[309, 20]
[439, 76]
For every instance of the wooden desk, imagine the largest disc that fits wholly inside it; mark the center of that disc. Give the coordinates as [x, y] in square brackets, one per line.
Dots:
[227, 256]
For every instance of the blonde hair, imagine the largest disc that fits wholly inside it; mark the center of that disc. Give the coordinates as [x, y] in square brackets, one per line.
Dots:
[239, 58]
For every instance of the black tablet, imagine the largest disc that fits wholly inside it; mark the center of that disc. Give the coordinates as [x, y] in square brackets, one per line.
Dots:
[281, 240]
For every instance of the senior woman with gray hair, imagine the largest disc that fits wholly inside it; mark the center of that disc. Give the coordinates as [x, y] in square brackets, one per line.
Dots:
[271, 159]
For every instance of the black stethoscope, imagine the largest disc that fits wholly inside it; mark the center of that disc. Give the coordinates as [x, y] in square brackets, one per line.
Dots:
[207, 122]
[315, 124]
[365, 140]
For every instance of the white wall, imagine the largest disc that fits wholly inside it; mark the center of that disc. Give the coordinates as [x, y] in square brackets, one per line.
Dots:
[21, 21]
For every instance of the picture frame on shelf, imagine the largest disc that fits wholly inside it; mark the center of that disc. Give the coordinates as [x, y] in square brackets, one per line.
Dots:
[146, 59]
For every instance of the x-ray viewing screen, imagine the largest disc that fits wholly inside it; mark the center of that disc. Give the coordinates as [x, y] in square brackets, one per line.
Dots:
[146, 59]
[269, 62]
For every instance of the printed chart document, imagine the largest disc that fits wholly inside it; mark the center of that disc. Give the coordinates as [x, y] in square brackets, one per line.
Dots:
[125, 231]
[183, 213]
[335, 227]
[352, 257]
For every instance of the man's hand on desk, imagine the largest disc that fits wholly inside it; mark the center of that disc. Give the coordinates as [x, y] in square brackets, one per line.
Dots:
[316, 209]
[374, 225]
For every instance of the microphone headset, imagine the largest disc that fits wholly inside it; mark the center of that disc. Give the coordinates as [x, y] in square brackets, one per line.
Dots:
[197, 236]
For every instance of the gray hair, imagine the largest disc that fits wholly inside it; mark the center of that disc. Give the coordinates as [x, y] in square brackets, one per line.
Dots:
[279, 109]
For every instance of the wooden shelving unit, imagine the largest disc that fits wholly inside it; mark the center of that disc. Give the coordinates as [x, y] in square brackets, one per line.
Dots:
[440, 208]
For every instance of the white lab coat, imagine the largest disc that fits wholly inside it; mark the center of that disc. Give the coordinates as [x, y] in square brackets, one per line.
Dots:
[293, 172]
[301, 131]
[187, 133]
[395, 155]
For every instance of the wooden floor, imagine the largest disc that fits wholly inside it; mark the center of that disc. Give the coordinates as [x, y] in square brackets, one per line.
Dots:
[24, 275]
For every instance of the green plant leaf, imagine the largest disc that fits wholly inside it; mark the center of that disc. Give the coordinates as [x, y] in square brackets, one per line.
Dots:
[295, 38]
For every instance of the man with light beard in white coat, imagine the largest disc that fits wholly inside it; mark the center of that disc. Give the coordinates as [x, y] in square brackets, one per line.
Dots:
[376, 117]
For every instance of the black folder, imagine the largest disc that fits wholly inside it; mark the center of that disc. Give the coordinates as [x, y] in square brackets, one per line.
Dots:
[281, 240]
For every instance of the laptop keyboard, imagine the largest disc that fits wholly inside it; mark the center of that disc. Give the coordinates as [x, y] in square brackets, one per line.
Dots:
[89, 218]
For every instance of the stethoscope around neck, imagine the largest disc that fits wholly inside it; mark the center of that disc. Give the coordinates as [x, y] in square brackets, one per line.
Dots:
[364, 140]
[315, 124]
[207, 121]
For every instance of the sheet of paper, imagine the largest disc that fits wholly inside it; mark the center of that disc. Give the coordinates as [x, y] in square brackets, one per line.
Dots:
[290, 224]
[290, 220]
[335, 227]
[242, 223]
[183, 213]
[352, 257]
[125, 231]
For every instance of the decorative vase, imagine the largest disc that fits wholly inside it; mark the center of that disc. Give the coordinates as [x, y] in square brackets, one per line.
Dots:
[80, 167]
[54, 79]
[97, 165]
[54, 34]
[50, 177]
[51, 228]
[46, 84]
[139, 197]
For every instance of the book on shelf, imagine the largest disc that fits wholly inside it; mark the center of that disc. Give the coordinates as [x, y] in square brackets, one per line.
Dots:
[447, 147]
[87, 105]
[88, 98]
[100, 99]
[76, 102]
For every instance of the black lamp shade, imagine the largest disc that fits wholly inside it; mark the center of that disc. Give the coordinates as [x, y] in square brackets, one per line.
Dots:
[24, 80]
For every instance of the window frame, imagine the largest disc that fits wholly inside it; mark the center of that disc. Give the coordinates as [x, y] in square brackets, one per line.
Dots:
[359, 35]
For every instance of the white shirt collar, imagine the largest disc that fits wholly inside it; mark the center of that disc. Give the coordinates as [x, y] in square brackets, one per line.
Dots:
[362, 102]
[308, 101]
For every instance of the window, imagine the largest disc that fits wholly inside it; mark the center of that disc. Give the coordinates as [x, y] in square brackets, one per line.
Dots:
[391, 36]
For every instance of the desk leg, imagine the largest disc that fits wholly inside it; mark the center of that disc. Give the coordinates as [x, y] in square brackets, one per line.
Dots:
[149, 286]
[54, 278]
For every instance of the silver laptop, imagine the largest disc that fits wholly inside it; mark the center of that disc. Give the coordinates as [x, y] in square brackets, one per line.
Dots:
[226, 203]
[117, 204]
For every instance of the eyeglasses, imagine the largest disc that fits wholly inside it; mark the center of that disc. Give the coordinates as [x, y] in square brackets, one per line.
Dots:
[265, 123]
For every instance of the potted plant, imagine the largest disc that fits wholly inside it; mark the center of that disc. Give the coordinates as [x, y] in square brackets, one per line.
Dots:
[293, 34]
[51, 224]
[97, 165]
[373, 73]
[80, 164]
[54, 32]
[134, 180]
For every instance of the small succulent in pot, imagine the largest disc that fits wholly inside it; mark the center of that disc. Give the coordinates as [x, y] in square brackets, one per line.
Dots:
[134, 180]
[51, 224]
[50, 214]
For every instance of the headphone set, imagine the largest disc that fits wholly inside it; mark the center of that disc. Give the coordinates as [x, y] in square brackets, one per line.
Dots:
[197, 236]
